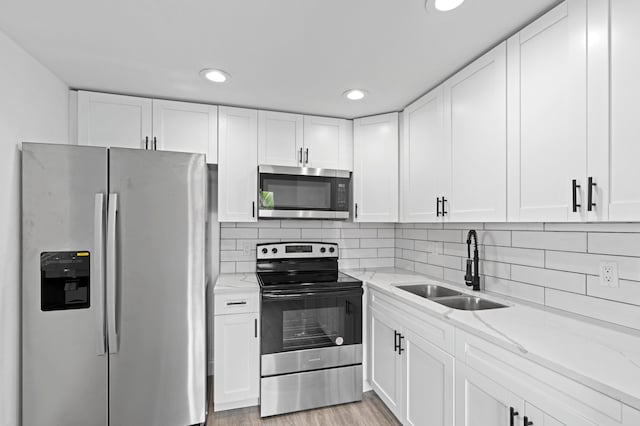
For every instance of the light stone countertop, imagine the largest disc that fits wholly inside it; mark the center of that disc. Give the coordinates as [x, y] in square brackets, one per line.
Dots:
[603, 358]
[235, 283]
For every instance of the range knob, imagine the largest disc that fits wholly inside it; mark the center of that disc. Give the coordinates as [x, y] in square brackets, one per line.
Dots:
[274, 250]
[322, 250]
[264, 250]
[331, 250]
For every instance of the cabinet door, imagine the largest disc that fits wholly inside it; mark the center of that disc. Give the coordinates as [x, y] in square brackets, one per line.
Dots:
[386, 363]
[424, 167]
[280, 139]
[375, 174]
[238, 165]
[186, 127]
[428, 383]
[236, 360]
[559, 417]
[324, 142]
[547, 115]
[482, 402]
[113, 120]
[622, 171]
[476, 123]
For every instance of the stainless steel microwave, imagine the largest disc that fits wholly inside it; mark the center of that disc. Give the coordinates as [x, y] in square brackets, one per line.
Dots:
[303, 193]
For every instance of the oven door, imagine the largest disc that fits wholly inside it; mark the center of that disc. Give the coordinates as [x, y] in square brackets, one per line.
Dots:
[311, 320]
[290, 192]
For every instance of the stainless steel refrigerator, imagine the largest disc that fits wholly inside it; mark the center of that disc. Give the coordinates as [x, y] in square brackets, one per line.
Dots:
[113, 296]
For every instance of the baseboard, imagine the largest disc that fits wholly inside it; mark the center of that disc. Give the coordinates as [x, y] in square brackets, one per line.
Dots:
[223, 406]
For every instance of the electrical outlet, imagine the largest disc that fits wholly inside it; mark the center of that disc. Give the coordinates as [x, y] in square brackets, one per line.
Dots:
[609, 274]
[247, 249]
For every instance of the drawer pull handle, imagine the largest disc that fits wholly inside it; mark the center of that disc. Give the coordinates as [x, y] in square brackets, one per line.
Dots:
[244, 302]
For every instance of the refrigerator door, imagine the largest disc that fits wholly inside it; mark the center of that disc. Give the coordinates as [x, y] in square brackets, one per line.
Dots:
[157, 372]
[64, 365]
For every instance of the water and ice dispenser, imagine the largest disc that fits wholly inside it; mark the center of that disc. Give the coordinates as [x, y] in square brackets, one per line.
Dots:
[64, 280]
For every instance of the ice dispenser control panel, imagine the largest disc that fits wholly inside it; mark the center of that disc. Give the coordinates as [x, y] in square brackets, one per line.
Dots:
[64, 280]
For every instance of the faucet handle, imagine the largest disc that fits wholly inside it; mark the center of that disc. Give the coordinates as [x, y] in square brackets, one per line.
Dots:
[468, 277]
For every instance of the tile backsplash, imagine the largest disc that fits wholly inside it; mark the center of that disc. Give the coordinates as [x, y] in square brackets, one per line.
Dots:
[557, 265]
[361, 245]
[547, 263]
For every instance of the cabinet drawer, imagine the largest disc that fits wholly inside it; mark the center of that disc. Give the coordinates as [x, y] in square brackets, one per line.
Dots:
[235, 303]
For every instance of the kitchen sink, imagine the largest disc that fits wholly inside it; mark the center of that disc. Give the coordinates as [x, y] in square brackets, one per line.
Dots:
[469, 303]
[429, 291]
[451, 298]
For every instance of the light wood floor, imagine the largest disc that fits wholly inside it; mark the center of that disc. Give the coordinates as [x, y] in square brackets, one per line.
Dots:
[371, 412]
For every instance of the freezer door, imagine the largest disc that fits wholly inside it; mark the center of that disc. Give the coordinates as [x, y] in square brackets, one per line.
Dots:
[157, 373]
[64, 366]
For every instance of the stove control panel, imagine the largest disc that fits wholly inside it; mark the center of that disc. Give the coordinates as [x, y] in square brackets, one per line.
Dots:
[296, 250]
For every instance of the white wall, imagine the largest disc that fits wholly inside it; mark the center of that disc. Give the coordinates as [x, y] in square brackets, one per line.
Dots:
[33, 107]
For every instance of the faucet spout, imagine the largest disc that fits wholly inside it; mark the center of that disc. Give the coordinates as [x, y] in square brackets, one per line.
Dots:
[472, 276]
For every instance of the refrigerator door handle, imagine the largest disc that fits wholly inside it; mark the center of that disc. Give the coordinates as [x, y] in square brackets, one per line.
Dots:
[97, 260]
[111, 273]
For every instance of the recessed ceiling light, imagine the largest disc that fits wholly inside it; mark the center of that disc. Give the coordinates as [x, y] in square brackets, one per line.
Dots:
[217, 76]
[443, 5]
[355, 94]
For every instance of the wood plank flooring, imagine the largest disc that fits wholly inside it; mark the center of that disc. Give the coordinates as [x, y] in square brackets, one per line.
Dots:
[370, 411]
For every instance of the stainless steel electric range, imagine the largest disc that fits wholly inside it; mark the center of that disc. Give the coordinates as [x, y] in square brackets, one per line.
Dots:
[311, 338]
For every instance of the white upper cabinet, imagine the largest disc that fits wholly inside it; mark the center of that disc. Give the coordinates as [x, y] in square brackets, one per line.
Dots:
[614, 90]
[280, 139]
[424, 170]
[475, 122]
[186, 127]
[130, 122]
[238, 165]
[114, 120]
[328, 143]
[547, 115]
[375, 174]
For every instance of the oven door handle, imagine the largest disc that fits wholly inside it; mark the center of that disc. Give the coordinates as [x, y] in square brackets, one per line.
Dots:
[289, 296]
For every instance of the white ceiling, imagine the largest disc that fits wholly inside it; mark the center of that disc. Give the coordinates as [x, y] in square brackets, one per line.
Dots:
[289, 55]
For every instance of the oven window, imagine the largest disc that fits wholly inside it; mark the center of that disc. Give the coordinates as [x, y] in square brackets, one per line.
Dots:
[298, 192]
[311, 321]
[311, 328]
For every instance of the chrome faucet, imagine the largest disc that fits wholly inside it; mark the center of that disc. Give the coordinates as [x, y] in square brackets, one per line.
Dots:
[472, 279]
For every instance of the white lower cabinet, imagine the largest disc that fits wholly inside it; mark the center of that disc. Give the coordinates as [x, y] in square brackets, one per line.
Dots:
[428, 382]
[482, 402]
[428, 372]
[386, 364]
[236, 379]
[412, 376]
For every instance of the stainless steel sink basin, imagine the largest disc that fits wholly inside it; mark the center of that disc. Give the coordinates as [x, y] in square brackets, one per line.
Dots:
[469, 303]
[429, 291]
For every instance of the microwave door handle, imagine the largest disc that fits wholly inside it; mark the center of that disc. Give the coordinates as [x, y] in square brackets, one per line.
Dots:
[111, 273]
